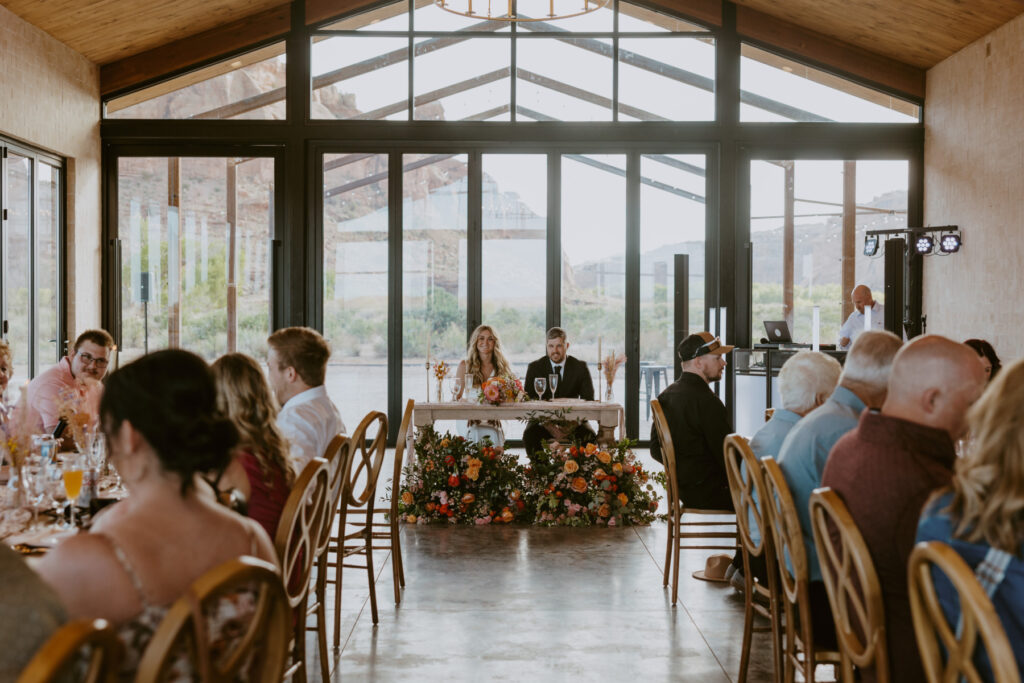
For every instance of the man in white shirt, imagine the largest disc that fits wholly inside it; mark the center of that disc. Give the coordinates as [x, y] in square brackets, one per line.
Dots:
[297, 361]
[854, 325]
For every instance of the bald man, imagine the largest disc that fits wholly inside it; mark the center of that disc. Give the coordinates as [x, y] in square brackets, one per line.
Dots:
[891, 463]
[854, 325]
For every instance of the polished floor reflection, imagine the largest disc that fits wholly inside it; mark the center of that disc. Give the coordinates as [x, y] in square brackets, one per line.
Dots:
[525, 603]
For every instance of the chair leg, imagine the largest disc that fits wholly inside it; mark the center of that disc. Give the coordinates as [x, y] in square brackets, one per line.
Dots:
[339, 557]
[397, 545]
[773, 605]
[369, 573]
[675, 570]
[668, 550]
[321, 617]
[748, 619]
[300, 643]
[396, 565]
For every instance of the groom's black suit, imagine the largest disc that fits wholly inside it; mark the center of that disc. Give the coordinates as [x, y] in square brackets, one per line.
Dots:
[575, 383]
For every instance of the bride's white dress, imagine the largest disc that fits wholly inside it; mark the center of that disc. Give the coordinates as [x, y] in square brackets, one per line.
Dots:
[477, 430]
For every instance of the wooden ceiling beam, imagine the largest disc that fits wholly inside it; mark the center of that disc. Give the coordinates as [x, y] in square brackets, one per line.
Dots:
[831, 53]
[194, 50]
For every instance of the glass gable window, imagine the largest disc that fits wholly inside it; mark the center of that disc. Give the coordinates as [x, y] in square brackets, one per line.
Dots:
[247, 86]
[773, 88]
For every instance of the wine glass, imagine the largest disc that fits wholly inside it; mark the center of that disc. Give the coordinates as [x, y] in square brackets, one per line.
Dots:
[53, 474]
[456, 388]
[37, 489]
[73, 476]
[540, 385]
[553, 381]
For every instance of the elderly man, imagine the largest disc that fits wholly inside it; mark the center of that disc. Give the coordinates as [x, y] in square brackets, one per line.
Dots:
[863, 383]
[890, 464]
[854, 325]
[297, 363]
[574, 382]
[73, 384]
[698, 423]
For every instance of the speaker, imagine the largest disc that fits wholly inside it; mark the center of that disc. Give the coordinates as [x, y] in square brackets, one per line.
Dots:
[895, 271]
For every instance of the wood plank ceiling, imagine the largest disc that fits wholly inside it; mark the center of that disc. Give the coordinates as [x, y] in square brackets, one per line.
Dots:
[920, 33]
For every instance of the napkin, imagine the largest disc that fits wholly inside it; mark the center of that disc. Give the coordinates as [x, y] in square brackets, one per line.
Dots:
[41, 537]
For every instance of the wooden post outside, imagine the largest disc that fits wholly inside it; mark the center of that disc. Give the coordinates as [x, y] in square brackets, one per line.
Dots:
[849, 235]
[174, 252]
[232, 219]
[788, 232]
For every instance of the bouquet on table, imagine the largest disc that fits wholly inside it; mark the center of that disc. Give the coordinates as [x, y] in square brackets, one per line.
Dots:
[505, 389]
[586, 485]
[461, 482]
[16, 433]
[70, 405]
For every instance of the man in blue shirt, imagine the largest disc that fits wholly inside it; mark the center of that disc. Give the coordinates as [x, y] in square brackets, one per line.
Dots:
[805, 449]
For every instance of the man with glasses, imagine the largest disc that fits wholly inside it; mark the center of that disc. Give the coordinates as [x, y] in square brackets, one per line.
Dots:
[73, 382]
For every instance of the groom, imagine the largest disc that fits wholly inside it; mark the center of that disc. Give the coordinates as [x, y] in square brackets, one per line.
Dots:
[574, 382]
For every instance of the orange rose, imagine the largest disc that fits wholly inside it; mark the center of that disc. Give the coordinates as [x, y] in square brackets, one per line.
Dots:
[623, 499]
[617, 468]
[604, 510]
[431, 507]
[507, 516]
[604, 457]
[515, 495]
[407, 498]
[444, 443]
[591, 449]
[474, 463]
[571, 466]
[579, 485]
[473, 473]
[599, 474]
[411, 519]
[468, 498]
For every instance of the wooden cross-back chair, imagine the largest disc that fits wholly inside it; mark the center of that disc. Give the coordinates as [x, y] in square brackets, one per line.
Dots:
[337, 454]
[359, 496]
[677, 510]
[794, 579]
[93, 638]
[948, 652]
[257, 652]
[854, 592]
[746, 483]
[298, 535]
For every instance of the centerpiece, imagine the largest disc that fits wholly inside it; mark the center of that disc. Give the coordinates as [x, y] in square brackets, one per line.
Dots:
[441, 370]
[503, 389]
[15, 447]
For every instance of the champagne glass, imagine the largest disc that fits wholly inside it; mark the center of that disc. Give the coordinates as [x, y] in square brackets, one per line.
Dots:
[456, 389]
[54, 477]
[36, 487]
[540, 385]
[73, 476]
[553, 382]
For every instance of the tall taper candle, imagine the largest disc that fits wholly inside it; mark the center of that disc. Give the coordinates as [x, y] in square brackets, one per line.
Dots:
[867, 318]
[817, 329]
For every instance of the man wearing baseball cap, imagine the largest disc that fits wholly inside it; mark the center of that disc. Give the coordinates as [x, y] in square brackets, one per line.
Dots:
[698, 423]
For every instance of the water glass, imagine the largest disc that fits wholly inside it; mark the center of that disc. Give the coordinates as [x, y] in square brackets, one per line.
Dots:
[456, 389]
[553, 382]
[540, 385]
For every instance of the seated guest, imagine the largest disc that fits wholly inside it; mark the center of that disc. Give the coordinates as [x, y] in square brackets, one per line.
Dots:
[806, 380]
[484, 360]
[987, 355]
[805, 450]
[887, 467]
[698, 423]
[160, 417]
[979, 514]
[75, 378]
[297, 363]
[574, 381]
[30, 613]
[260, 469]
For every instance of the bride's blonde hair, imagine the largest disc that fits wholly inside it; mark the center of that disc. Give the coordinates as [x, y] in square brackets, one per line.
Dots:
[988, 487]
[473, 364]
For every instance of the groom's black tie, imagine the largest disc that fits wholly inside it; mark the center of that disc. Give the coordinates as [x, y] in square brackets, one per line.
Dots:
[558, 372]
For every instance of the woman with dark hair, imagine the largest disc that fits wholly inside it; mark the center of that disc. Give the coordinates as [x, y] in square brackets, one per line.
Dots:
[987, 356]
[259, 469]
[164, 430]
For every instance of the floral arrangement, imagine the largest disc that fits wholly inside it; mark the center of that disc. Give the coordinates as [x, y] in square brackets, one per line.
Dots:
[582, 485]
[69, 406]
[441, 370]
[458, 481]
[610, 366]
[16, 433]
[498, 390]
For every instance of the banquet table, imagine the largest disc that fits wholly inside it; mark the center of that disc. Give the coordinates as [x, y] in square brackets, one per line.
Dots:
[608, 415]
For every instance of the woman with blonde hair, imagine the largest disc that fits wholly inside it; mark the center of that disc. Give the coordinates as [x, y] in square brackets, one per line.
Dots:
[259, 469]
[981, 514]
[6, 369]
[484, 359]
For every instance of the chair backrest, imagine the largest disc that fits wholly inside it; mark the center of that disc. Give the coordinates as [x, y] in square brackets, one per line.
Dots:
[93, 637]
[851, 581]
[746, 484]
[364, 468]
[978, 617]
[305, 514]
[337, 455]
[243, 597]
[396, 472]
[790, 553]
[768, 412]
[668, 453]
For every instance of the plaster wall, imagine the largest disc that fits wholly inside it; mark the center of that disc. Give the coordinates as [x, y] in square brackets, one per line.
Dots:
[974, 178]
[49, 98]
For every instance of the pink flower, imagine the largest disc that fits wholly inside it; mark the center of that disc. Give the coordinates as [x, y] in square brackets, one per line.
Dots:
[492, 392]
[480, 521]
[611, 522]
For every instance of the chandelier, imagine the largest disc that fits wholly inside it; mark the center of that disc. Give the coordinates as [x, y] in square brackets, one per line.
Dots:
[521, 10]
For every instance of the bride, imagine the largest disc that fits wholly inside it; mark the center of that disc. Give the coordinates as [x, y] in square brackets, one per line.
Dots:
[484, 360]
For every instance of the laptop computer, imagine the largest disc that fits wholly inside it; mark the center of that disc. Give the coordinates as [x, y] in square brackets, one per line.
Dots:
[777, 332]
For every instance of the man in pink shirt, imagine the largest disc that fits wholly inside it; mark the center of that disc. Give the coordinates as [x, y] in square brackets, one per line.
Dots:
[76, 378]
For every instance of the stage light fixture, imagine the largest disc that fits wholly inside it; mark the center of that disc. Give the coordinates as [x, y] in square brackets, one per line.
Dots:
[950, 243]
[870, 245]
[924, 244]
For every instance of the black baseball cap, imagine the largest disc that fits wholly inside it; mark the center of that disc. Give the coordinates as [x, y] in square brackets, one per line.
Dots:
[702, 344]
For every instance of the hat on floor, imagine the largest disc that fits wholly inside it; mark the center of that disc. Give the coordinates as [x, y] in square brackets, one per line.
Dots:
[702, 344]
[714, 569]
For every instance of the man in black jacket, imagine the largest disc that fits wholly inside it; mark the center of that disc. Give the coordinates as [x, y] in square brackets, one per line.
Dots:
[698, 423]
[574, 382]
